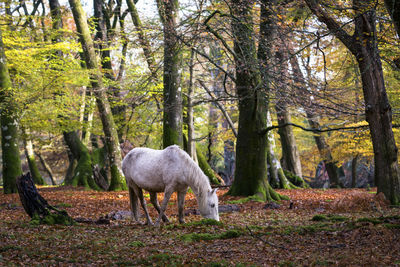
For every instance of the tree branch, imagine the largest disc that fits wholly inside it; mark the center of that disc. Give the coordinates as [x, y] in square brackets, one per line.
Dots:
[332, 25]
[315, 130]
[221, 107]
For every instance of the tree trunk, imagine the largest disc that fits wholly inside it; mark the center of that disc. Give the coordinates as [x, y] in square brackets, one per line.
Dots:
[9, 128]
[83, 173]
[290, 154]
[172, 115]
[109, 128]
[354, 171]
[30, 157]
[251, 146]
[191, 146]
[46, 167]
[313, 121]
[275, 171]
[37, 207]
[363, 45]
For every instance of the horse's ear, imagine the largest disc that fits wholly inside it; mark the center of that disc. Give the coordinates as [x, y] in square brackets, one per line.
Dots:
[214, 191]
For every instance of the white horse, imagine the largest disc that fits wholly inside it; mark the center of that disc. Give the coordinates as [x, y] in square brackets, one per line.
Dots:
[169, 170]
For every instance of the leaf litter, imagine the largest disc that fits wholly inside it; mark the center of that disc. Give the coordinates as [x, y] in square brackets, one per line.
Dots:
[333, 227]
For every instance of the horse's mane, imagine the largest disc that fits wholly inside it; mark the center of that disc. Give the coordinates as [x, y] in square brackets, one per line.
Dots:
[196, 178]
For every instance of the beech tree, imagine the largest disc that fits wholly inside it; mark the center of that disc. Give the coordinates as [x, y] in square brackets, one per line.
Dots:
[363, 45]
[251, 145]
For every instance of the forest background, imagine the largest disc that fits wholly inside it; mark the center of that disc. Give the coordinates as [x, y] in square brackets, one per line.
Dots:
[245, 77]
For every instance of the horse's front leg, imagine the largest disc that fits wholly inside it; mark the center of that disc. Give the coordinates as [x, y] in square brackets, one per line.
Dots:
[154, 201]
[181, 203]
[167, 195]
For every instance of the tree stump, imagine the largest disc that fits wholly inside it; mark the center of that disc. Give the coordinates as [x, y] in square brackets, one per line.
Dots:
[37, 207]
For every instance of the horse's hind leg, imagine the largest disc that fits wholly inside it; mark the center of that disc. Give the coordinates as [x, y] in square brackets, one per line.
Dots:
[133, 199]
[143, 203]
[181, 202]
[154, 201]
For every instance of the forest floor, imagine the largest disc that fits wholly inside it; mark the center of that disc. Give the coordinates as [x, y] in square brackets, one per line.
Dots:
[335, 227]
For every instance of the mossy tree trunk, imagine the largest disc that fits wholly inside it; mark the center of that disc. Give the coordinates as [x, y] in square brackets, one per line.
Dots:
[111, 136]
[172, 115]
[203, 164]
[251, 147]
[30, 157]
[9, 128]
[83, 172]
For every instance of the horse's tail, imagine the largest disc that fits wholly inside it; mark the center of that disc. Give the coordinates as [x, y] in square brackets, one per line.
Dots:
[134, 201]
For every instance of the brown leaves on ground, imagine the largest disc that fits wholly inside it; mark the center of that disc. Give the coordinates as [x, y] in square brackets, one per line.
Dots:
[321, 227]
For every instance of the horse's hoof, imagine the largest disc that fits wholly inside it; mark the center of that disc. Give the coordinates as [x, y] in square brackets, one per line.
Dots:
[182, 221]
[165, 219]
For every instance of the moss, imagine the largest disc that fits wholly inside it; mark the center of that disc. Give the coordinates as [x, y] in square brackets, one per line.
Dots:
[206, 222]
[319, 217]
[117, 180]
[230, 234]
[329, 217]
[370, 220]
[193, 237]
[295, 180]
[136, 244]
[255, 198]
[391, 226]
[205, 167]
[61, 218]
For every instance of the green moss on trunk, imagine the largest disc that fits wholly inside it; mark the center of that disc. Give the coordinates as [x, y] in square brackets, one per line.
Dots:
[36, 176]
[116, 178]
[205, 167]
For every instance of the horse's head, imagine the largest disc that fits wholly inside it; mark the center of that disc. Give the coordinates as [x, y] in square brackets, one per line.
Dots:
[209, 207]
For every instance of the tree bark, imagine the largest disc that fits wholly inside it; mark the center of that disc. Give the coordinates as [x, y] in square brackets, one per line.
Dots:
[9, 128]
[30, 157]
[363, 45]
[37, 207]
[109, 128]
[172, 115]
[191, 146]
[46, 167]
[354, 171]
[251, 146]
